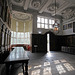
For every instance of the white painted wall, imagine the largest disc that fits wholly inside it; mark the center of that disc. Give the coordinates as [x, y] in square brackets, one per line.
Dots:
[68, 31]
[43, 31]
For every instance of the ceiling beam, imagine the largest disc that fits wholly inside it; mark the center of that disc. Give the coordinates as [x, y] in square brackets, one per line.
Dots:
[26, 4]
[62, 7]
[72, 1]
[45, 6]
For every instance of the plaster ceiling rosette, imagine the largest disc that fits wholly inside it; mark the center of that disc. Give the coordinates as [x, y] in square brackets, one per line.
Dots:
[19, 1]
[36, 3]
[52, 7]
[21, 16]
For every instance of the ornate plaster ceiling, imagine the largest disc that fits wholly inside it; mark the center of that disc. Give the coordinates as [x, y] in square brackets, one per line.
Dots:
[21, 16]
[36, 3]
[19, 1]
[68, 12]
[51, 7]
[47, 6]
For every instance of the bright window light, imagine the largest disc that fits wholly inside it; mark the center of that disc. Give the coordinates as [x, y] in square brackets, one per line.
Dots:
[38, 25]
[20, 74]
[36, 72]
[42, 20]
[11, 33]
[68, 67]
[50, 26]
[37, 66]
[42, 25]
[46, 26]
[50, 21]
[46, 20]
[14, 34]
[47, 71]
[46, 63]
[22, 35]
[20, 38]
[39, 32]
[56, 61]
[63, 60]
[38, 19]
[60, 69]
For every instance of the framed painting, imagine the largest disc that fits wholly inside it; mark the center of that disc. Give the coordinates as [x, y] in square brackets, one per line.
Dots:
[70, 25]
[65, 27]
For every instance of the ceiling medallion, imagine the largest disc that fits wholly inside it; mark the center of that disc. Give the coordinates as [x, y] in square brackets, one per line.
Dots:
[19, 1]
[52, 7]
[36, 3]
[21, 16]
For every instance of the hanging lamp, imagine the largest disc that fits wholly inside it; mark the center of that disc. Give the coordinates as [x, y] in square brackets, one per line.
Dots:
[55, 25]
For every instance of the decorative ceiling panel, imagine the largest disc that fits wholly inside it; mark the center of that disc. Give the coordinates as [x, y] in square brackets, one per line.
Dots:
[70, 14]
[18, 2]
[51, 7]
[37, 4]
[21, 16]
[45, 5]
[72, 1]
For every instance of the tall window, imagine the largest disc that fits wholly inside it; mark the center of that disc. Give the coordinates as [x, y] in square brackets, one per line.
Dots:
[44, 22]
[20, 37]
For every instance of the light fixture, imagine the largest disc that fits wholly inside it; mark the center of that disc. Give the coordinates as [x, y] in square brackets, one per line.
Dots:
[55, 25]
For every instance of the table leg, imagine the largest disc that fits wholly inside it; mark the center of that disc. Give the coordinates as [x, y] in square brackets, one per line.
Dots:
[23, 68]
[7, 69]
[26, 68]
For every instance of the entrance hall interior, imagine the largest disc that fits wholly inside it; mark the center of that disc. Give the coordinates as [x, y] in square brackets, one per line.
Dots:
[37, 37]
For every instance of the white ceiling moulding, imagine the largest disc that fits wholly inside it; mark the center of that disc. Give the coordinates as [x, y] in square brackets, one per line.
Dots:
[36, 3]
[62, 7]
[51, 7]
[69, 20]
[19, 1]
[72, 1]
[70, 14]
[26, 4]
[21, 16]
[45, 6]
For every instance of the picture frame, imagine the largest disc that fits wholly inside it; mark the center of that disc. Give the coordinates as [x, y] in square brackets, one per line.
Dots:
[74, 27]
[65, 27]
[0, 10]
[70, 25]
[6, 13]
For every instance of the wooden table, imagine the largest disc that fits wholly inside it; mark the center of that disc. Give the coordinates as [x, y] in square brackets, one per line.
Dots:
[18, 55]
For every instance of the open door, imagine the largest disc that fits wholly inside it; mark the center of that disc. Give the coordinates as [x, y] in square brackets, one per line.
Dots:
[48, 42]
